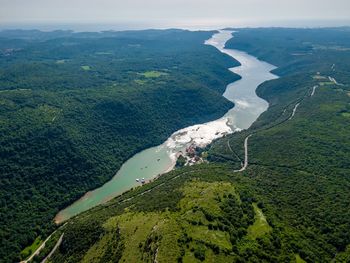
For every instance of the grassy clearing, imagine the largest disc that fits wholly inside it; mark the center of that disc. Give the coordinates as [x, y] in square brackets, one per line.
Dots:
[203, 194]
[319, 77]
[214, 237]
[326, 83]
[140, 81]
[86, 68]
[25, 253]
[260, 226]
[298, 259]
[153, 74]
[60, 61]
[333, 48]
[104, 53]
[14, 90]
[167, 236]
[170, 231]
[43, 113]
[135, 229]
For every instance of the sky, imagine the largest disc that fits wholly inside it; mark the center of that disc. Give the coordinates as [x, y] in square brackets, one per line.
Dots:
[174, 13]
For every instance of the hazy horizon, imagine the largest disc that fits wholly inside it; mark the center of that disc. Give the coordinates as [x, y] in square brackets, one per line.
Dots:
[79, 27]
[94, 15]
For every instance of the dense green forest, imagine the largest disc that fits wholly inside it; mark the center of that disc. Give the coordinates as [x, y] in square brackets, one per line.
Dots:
[298, 50]
[75, 106]
[290, 205]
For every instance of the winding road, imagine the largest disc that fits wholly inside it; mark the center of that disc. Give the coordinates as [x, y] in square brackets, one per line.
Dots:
[313, 91]
[38, 250]
[244, 167]
[294, 110]
[54, 249]
[245, 155]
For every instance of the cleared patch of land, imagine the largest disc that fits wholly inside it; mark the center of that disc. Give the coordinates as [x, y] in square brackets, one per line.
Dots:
[260, 226]
[30, 249]
[140, 81]
[86, 67]
[298, 259]
[167, 236]
[104, 53]
[153, 74]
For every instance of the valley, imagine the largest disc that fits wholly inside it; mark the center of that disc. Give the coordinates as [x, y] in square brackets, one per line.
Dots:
[275, 190]
[157, 160]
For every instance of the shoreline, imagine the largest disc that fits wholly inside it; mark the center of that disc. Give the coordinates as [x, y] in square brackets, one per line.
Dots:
[59, 219]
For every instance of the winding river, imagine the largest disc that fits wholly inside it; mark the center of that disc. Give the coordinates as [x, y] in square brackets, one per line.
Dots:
[154, 161]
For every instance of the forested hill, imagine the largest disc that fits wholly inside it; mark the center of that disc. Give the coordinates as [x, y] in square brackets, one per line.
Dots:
[297, 50]
[290, 205]
[75, 106]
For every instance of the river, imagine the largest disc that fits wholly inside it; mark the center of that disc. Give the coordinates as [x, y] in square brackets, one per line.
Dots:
[154, 161]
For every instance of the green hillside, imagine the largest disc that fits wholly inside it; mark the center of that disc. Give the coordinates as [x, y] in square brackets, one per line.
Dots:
[290, 205]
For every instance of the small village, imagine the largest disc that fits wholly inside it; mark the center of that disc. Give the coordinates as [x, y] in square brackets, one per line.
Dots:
[193, 155]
